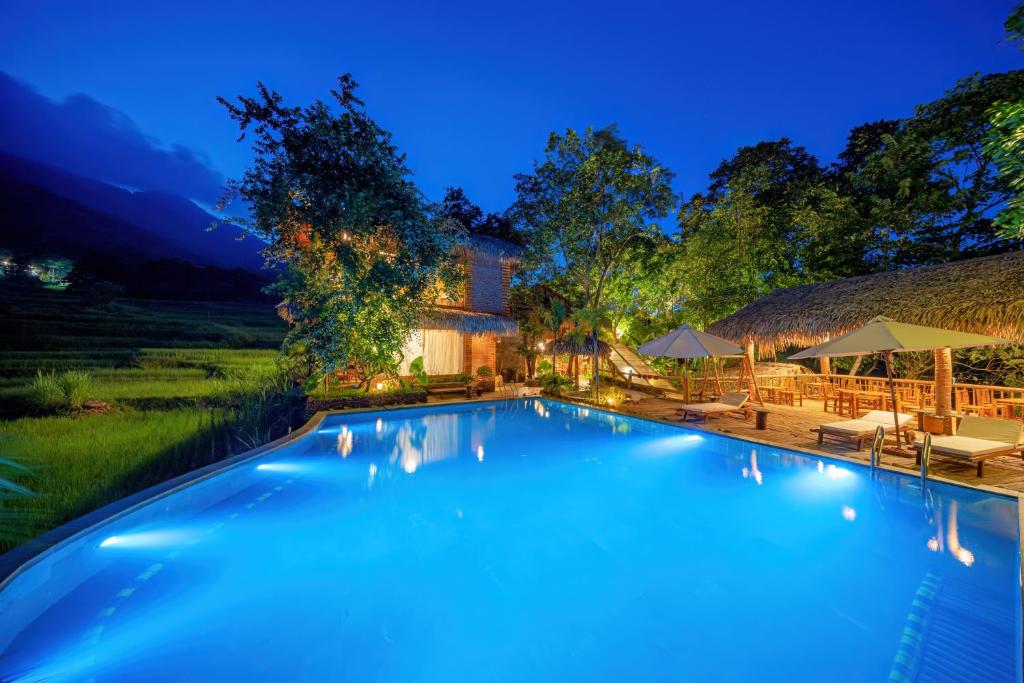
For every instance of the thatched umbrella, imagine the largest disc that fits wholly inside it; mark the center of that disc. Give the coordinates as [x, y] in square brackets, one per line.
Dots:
[570, 345]
[886, 336]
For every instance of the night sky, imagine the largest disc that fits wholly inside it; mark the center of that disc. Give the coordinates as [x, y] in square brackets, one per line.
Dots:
[471, 92]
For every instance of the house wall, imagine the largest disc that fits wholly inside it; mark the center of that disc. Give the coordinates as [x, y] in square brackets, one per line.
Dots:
[487, 283]
[479, 350]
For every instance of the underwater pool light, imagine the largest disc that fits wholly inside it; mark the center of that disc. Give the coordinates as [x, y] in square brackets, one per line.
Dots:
[278, 467]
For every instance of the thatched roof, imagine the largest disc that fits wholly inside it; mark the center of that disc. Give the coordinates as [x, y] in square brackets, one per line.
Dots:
[470, 322]
[570, 345]
[982, 295]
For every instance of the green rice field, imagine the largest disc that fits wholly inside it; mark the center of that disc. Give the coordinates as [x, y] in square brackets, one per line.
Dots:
[163, 368]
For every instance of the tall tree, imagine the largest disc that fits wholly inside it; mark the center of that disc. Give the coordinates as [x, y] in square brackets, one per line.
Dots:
[947, 187]
[590, 200]
[1005, 140]
[359, 254]
[749, 233]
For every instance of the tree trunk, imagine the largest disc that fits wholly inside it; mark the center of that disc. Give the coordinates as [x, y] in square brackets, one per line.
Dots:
[856, 366]
[825, 366]
[748, 351]
[943, 381]
[597, 387]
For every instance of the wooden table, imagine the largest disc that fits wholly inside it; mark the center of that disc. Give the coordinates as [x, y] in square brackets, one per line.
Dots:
[855, 397]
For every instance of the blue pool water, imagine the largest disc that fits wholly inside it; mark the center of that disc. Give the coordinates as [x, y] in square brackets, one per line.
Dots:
[529, 540]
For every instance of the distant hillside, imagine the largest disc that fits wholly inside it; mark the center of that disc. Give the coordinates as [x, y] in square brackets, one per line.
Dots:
[37, 221]
[42, 205]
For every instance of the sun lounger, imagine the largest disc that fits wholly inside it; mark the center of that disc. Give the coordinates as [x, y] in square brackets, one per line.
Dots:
[730, 402]
[977, 439]
[863, 428]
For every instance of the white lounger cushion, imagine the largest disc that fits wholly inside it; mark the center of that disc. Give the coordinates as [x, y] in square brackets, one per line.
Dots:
[967, 446]
[884, 418]
[851, 427]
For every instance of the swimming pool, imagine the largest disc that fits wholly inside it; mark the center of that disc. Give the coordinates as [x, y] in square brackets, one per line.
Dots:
[529, 539]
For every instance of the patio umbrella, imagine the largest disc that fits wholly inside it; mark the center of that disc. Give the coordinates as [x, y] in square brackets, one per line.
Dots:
[886, 336]
[686, 342]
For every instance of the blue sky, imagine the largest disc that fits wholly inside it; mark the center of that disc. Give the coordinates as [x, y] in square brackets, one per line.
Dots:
[471, 90]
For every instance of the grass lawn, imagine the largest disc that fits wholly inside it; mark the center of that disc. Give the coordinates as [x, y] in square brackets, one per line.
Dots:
[79, 464]
[161, 367]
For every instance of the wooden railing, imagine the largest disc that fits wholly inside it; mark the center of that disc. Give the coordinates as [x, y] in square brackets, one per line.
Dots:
[968, 399]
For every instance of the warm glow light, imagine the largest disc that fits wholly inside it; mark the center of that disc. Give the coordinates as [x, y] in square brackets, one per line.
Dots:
[933, 544]
[380, 425]
[480, 453]
[849, 514]
[380, 385]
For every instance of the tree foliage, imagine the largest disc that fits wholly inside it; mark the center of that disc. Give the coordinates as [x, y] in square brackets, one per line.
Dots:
[359, 251]
[590, 200]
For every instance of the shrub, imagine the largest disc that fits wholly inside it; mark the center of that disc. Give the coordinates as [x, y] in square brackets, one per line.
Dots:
[553, 384]
[484, 371]
[417, 371]
[75, 386]
[45, 392]
[611, 396]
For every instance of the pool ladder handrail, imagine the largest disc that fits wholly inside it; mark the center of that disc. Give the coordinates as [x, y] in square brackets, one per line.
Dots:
[926, 454]
[876, 447]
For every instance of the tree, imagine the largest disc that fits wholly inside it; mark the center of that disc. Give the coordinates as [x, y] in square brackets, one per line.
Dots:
[584, 206]
[592, 319]
[553, 317]
[647, 295]
[937, 187]
[528, 310]
[752, 232]
[359, 251]
[1005, 140]
[457, 206]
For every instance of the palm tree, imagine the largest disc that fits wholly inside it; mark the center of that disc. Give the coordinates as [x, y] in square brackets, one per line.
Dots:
[554, 317]
[592, 319]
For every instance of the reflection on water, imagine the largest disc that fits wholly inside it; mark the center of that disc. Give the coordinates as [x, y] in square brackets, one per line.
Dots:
[950, 540]
[434, 438]
[345, 441]
[753, 472]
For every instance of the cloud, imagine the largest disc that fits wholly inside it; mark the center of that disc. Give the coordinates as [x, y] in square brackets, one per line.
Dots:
[91, 139]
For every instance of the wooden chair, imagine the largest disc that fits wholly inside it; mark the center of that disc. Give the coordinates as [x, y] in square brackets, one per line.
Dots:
[980, 404]
[830, 397]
